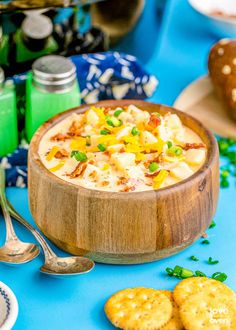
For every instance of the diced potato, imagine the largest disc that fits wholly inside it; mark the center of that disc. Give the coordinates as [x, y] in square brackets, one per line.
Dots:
[164, 133]
[135, 172]
[92, 117]
[180, 137]
[173, 122]
[94, 139]
[181, 171]
[195, 156]
[88, 129]
[148, 138]
[92, 173]
[138, 114]
[123, 132]
[123, 160]
[126, 117]
[115, 147]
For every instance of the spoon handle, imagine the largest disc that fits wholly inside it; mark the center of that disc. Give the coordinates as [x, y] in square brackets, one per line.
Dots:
[10, 233]
[48, 252]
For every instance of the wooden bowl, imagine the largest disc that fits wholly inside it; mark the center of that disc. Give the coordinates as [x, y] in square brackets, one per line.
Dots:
[124, 228]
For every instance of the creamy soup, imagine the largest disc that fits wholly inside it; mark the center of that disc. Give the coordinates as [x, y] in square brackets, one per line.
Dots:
[123, 149]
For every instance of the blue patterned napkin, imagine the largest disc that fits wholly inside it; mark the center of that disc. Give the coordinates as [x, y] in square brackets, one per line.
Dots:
[109, 75]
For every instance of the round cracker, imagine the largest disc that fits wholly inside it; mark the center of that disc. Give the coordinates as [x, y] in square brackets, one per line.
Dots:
[175, 322]
[193, 285]
[139, 308]
[206, 311]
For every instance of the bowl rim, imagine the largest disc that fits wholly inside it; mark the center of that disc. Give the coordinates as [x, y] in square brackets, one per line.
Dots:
[11, 317]
[34, 144]
[223, 19]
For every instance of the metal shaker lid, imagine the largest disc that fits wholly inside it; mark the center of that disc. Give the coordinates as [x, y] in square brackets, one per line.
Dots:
[54, 73]
[37, 27]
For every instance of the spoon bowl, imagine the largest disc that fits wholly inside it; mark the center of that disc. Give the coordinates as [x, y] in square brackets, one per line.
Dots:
[17, 252]
[67, 266]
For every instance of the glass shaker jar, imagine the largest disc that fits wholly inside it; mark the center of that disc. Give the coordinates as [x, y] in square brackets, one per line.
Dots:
[8, 115]
[51, 88]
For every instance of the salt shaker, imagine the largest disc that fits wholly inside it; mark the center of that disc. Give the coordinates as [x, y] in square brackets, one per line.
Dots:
[51, 88]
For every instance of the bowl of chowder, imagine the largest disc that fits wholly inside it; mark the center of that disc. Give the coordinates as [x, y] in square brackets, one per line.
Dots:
[123, 181]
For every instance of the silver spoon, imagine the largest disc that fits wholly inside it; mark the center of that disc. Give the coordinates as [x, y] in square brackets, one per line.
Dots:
[54, 265]
[14, 251]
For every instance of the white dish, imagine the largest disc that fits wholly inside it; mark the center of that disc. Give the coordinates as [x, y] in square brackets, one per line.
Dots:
[221, 25]
[8, 307]
[200, 101]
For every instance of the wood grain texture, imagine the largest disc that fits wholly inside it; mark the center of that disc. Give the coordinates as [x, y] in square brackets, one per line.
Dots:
[124, 227]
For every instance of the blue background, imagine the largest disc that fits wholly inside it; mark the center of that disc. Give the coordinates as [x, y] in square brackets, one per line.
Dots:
[175, 49]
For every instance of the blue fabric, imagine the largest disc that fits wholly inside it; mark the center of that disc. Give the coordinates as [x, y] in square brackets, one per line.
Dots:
[109, 75]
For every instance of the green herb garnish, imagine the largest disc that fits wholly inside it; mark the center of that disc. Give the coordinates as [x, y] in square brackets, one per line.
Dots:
[153, 167]
[212, 262]
[175, 151]
[118, 112]
[101, 147]
[79, 156]
[169, 144]
[199, 273]
[194, 258]
[135, 131]
[212, 225]
[113, 121]
[206, 242]
[219, 276]
[105, 132]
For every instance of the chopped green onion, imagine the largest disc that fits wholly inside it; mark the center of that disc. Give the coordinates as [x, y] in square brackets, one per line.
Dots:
[186, 273]
[212, 225]
[219, 276]
[153, 167]
[169, 144]
[101, 147]
[199, 273]
[79, 156]
[118, 112]
[105, 132]
[224, 183]
[175, 151]
[169, 271]
[206, 242]
[212, 262]
[113, 121]
[177, 271]
[135, 131]
[194, 258]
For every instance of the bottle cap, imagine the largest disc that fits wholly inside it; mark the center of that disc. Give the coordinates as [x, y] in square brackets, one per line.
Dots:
[54, 74]
[36, 30]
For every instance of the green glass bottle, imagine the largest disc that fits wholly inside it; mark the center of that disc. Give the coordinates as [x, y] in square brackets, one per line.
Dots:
[51, 88]
[8, 115]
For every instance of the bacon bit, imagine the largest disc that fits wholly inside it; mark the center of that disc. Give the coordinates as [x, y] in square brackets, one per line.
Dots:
[78, 171]
[106, 153]
[122, 150]
[75, 129]
[122, 180]
[91, 161]
[93, 174]
[106, 111]
[61, 154]
[154, 121]
[204, 235]
[188, 146]
[152, 175]
[127, 189]
[59, 137]
[105, 183]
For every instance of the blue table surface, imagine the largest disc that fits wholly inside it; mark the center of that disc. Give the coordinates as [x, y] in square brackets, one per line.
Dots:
[176, 51]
